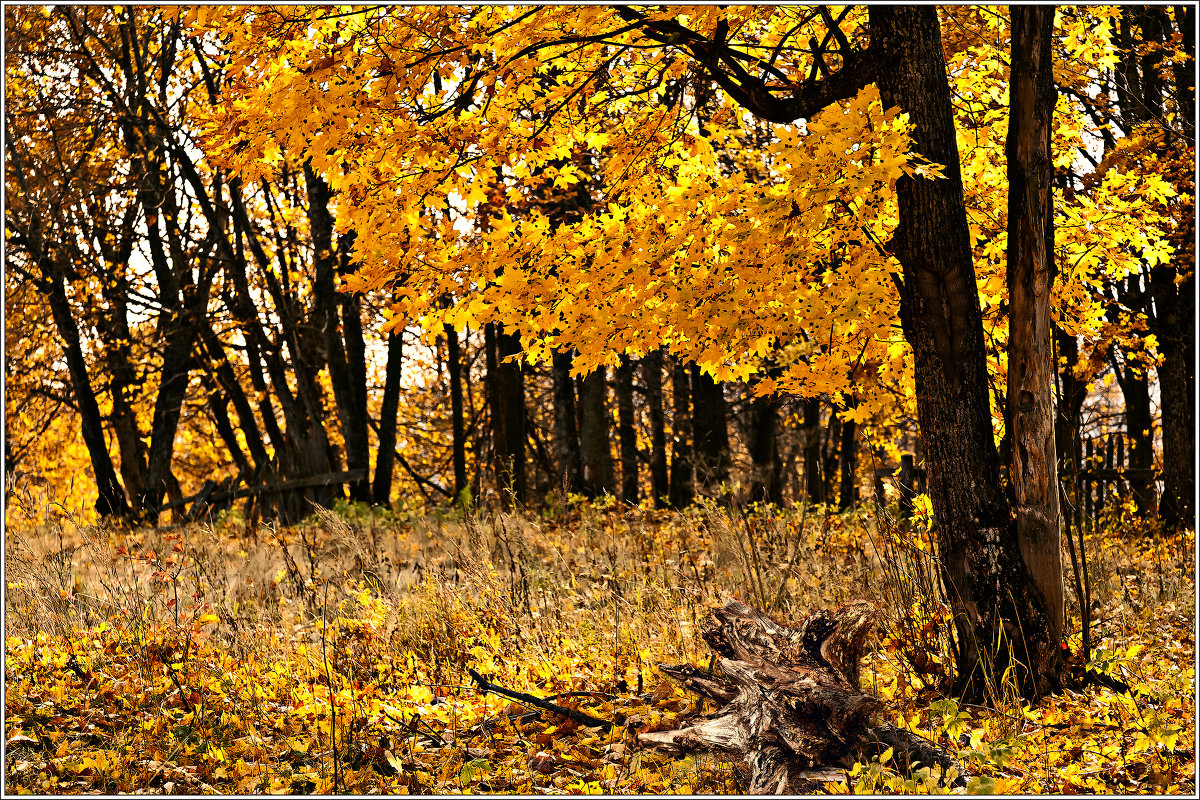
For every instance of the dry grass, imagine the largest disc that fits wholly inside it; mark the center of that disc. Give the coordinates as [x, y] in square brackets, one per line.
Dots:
[339, 648]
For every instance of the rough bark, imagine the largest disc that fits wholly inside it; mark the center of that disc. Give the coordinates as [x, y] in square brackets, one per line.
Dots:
[1033, 468]
[682, 490]
[652, 372]
[998, 608]
[791, 704]
[626, 433]
[710, 432]
[1177, 383]
[595, 450]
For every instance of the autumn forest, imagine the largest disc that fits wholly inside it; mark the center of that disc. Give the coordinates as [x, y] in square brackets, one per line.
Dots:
[599, 399]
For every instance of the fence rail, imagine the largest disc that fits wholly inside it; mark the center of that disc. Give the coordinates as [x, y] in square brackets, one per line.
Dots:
[1102, 476]
[214, 495]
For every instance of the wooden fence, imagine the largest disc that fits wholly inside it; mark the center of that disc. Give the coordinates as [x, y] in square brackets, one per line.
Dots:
[213, 496]
[1102, 477]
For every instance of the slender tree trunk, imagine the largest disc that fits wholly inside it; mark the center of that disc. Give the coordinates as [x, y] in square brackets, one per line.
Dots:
[766, 479]
[710, 432]
[595, 454]
[341, 333]
[812, 450]
[682, 490]
[566, 435]
[848, 465]
[506, 404]
[458, 430]
[1139, 431]
[996, 604]
[626, 432]
[385, 458]
[1072, 394]
[829, 454]
[110, 501]
[652, 371]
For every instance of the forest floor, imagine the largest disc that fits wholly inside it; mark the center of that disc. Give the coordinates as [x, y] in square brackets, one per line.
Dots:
[208, 658]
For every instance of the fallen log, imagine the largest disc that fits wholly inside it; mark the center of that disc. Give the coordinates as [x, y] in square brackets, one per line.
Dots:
[790, 703]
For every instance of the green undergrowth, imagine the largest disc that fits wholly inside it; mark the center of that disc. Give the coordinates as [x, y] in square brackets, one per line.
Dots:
[333, 656]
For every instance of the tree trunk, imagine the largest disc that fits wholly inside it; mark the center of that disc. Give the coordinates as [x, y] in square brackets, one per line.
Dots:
[848, 464]
[766, 478]
[626, 432]
[566, 435]
[1029, 416]
[506, 407]
[385, 458]
[458, 430]
[812, 450]
[595, 452]
[1175, 320]
[1072, 394]
[996, 605]
[829, 454]
[682, 490]
[652, 370]
[110, 501]
[1139, 431]
[342, 357]
[710, 432]
[1177, 383]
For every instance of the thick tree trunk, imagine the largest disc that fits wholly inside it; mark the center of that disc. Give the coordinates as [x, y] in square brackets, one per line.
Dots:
[710, 432]
[595, 450]
[506, 407]
[998, 606]
[566, 435]
[682, 489]
[1033, 465]
[458, 437]
[652, 372]
[1175, 320]
[626, 432]
[385, 458]
[1177, 383]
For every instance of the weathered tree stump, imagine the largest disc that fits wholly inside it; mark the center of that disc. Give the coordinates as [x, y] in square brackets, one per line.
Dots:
[790, 702]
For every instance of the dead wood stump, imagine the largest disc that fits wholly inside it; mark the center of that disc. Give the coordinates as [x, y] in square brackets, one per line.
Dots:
[790, 702]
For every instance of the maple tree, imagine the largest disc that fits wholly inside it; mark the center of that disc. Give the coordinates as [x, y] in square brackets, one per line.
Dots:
[585, 232]
[428, 108]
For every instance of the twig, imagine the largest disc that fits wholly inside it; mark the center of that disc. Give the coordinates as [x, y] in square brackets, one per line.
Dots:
[578, 716]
